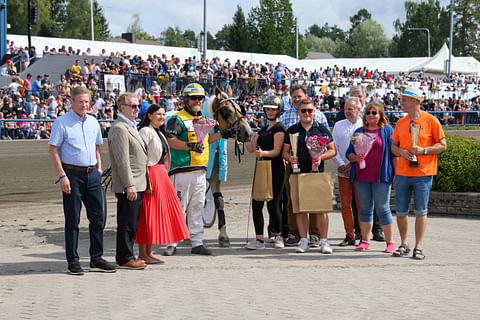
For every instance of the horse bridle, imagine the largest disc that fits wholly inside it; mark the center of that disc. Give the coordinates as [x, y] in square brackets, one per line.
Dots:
[235, 125]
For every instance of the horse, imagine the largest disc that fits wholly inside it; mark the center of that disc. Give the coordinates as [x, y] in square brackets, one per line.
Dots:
[229, 115]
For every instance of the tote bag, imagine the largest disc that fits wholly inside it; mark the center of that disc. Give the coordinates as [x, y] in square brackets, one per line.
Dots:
[262, 182]
[311, 192]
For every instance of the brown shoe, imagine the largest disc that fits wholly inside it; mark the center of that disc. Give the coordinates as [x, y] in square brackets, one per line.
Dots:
[133, 265]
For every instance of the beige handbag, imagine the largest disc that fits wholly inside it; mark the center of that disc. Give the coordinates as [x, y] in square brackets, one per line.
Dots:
[311, 192]
[262, 182]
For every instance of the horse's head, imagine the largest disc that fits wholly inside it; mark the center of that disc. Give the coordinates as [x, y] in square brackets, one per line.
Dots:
[229, 115]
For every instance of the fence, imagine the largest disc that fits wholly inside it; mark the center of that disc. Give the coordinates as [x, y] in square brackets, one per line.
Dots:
[39, 128]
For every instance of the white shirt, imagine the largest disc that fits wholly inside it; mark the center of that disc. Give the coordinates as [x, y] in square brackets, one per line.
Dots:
[342, 133]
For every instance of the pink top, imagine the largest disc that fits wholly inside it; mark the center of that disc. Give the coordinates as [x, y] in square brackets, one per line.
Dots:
[373, 160]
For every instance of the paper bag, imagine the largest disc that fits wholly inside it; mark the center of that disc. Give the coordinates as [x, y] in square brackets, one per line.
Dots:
[311, 192]
[262, 183]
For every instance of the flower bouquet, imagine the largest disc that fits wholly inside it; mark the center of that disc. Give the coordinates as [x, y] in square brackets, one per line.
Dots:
[362, 143]
[202, 127]
[316, 145]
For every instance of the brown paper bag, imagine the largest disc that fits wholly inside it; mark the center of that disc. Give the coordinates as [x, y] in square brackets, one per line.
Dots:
[311, 192]
[262, 183]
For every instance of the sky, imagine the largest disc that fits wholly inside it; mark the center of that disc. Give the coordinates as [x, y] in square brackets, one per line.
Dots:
[157, 15]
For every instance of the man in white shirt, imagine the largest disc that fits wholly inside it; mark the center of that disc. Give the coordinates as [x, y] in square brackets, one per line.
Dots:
[342, 133]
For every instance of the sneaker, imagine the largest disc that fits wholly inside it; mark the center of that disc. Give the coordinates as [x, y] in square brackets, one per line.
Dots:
[202, 250]
[291, 240]
[255, 245]
[279, 242]
[75, 268]
[363, 246]
[325, 248]
[170, 251]
[303, 247]
[314, 241]
[102, 266]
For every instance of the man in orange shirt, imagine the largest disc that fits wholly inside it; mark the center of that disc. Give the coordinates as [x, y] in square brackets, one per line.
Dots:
[415, 176]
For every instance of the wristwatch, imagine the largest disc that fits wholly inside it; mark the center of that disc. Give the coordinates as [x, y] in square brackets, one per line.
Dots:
[425, 150]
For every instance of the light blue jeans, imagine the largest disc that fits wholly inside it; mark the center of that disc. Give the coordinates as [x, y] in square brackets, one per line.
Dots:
[374, 194]
[420, 186]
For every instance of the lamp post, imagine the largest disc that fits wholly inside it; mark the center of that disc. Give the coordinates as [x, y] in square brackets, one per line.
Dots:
[296, 29]
[91, 19]
[428, 35]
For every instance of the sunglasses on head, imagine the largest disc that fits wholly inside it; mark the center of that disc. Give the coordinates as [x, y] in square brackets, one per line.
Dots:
[374, 113]
[306, 110]
[197, 98]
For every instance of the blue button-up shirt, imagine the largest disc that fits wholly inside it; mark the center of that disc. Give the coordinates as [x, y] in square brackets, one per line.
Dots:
[291, 117]
[76, 138]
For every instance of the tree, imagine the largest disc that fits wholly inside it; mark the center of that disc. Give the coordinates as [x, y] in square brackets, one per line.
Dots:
[173, 37]
[368, 40]
[467, 15]
[425, 14]
[191, 38]
[221, 39]
[237, 39]
[323, 44]
[136, 28]
[271, 28]
[360, 17]
[332, 33]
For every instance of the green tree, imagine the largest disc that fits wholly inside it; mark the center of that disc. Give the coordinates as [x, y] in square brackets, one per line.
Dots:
[331, 32]
[323, 44]
[211, 42]
[271, 28]
[100, 23]
[369, 40]
[191, 38]
[360, 17]
[425, 14]
[466, 41]
[173, 37]
[237, 38]
[221, 39]
[136, 28]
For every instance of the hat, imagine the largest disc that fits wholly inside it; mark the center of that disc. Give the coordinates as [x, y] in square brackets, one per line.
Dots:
[51, 97]
[413, 92]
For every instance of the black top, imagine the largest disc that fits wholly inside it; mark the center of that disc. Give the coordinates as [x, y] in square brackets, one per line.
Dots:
[266, 141]
[164, 146]
[304, 158]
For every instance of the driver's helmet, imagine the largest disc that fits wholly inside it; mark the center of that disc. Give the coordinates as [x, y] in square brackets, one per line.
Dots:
[193, 89]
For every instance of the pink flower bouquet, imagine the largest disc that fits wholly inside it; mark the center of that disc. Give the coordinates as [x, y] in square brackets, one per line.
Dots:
[202, 127]
[316, 146]
[362, 143]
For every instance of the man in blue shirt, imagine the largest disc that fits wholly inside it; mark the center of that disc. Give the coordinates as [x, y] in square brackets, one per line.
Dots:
[75, 152]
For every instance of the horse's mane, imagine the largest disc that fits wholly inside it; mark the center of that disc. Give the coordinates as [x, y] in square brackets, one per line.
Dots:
[211, 101]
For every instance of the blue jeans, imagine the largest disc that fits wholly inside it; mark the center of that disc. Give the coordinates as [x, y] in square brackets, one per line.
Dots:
[86, 188]
[378, 194]
[421, 194]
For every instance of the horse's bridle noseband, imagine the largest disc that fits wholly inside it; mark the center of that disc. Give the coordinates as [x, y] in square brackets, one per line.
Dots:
[235, 125]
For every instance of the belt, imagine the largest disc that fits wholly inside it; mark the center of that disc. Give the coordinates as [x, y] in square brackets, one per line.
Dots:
[77, 168]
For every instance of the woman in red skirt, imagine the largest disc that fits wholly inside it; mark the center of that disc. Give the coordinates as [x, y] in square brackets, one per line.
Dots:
[162, 220]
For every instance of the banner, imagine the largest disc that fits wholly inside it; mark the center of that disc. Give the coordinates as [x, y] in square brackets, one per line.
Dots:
[114, 81]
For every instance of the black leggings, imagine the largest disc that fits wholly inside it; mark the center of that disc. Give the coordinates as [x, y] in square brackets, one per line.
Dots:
[273, 206]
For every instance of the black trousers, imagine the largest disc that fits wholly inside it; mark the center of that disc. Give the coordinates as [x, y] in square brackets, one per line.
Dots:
[128, 213]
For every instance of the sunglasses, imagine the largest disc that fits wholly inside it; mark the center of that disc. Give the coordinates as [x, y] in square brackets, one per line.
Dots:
[374, 113]
[306, 110]
[197, 98]
[133, 106]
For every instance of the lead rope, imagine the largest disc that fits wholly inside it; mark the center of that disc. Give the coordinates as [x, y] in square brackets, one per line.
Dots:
[251, 199]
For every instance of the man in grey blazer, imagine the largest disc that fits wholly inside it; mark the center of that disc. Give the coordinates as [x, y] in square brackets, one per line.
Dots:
[128, 158]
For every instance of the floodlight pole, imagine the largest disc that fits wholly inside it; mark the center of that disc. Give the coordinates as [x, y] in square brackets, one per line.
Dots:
[451, 40]
[204, 53]
[91, 19]
[428, 36]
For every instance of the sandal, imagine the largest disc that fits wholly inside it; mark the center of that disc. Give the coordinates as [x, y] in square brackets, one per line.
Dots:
[402, 250]
[418, 254]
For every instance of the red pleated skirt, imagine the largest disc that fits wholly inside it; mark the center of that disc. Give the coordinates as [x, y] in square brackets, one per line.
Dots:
[161, 220]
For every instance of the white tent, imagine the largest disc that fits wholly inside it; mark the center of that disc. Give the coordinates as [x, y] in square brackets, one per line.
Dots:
[389, 65]
[438, 64]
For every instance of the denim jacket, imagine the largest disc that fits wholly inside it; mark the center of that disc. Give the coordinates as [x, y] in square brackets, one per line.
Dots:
[387, 172]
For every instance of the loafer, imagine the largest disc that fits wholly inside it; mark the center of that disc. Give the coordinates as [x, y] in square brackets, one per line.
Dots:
[347, 242]
[202, 250]
[378, 236]
[170, 251]
[75, 268]
[102, 266]
[133, 265]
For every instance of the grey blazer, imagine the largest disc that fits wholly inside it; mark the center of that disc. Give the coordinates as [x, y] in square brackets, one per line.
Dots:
[128, 158]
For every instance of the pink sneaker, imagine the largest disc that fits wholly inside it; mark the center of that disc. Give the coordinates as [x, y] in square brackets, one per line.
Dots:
[390, 247]
[362, 246]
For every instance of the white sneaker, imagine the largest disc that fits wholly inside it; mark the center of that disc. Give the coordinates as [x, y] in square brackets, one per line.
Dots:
[325, 248]
[255, 245]
[279, 242]
[303, 247]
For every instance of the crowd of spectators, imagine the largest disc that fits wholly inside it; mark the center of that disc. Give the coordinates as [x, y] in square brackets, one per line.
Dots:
[161, 79]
